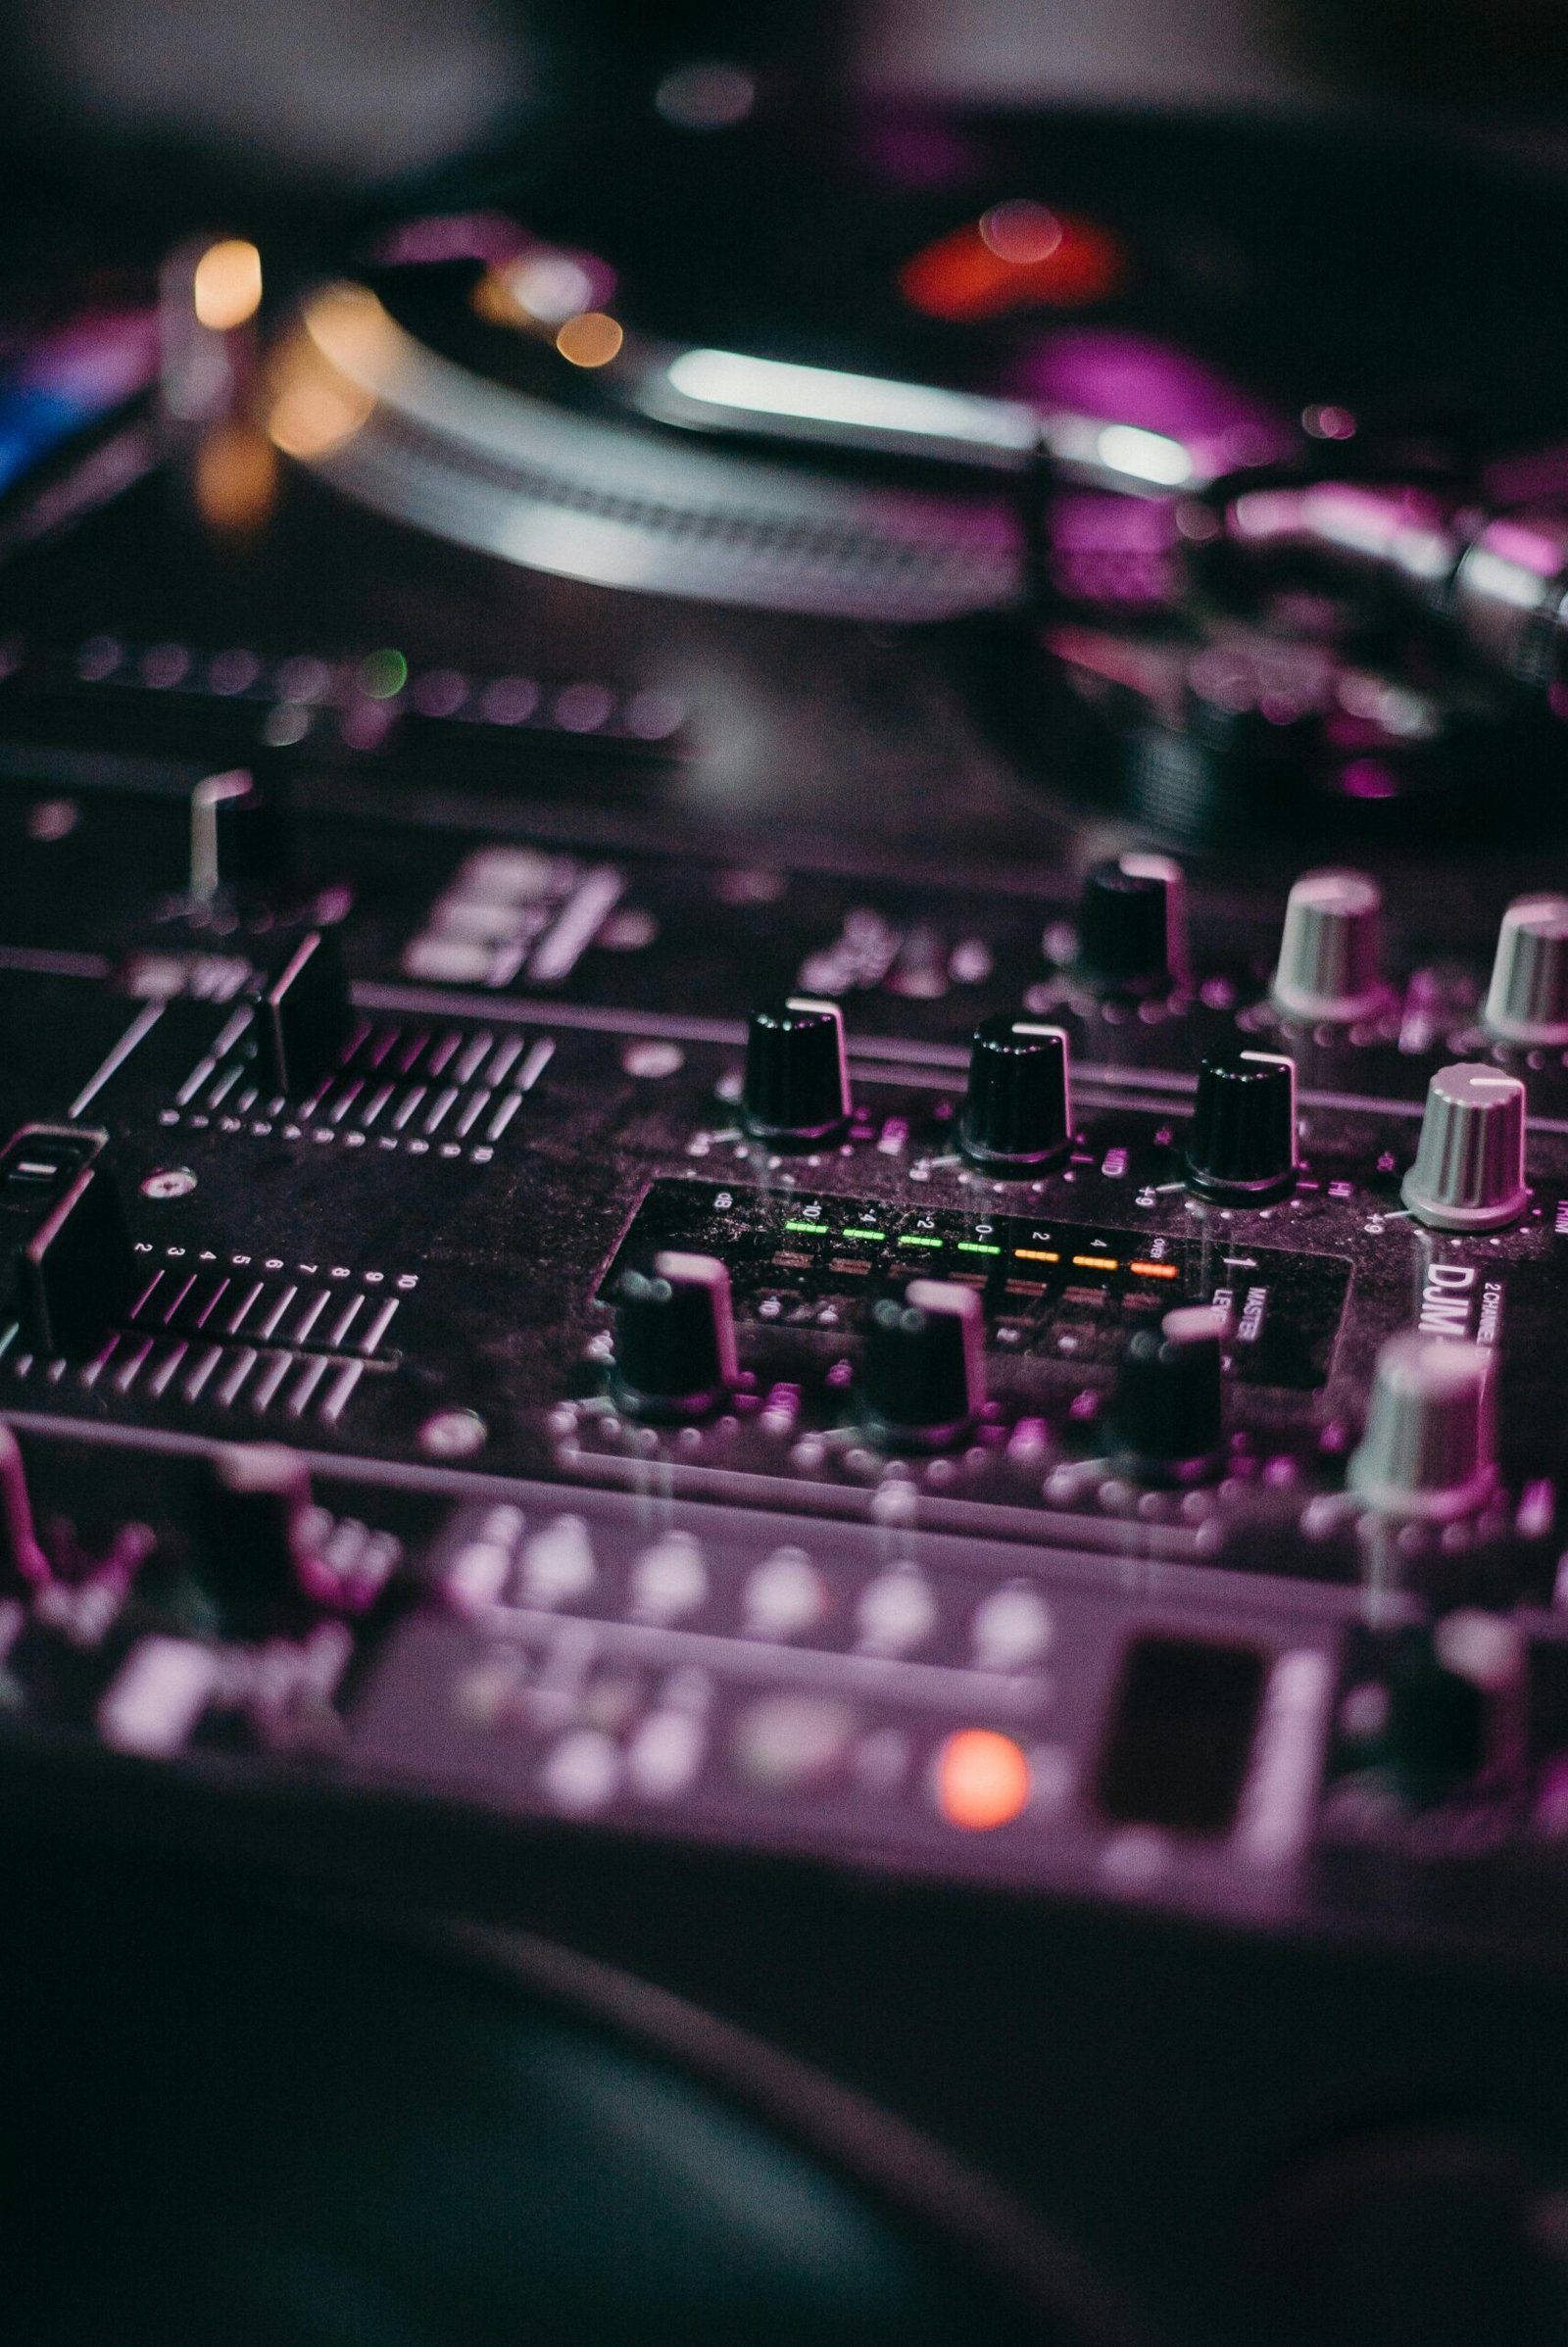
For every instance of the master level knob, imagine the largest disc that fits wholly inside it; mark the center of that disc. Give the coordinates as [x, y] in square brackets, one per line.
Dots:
[1165, 1418]
[1017, 1115]
[923, 1380]
[1527, 1001]
[1241, 1150]
[1469, 1170]
[1428, 1446]
[676, 1338]
[797, 1088]
[1132, 925]
[1331, 947]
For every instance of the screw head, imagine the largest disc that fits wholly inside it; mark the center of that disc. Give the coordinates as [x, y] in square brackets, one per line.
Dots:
[170, 1181]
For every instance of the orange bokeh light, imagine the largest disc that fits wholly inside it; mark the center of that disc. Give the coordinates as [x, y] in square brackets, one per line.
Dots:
[1020, 256]
[982, 1779]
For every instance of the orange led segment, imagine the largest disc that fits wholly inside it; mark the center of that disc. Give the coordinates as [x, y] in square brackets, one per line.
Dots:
[1154, 1271]
[1019, 257]
[982, 1779]
[591, 339]
[1096, 1263]
[1036, 1254]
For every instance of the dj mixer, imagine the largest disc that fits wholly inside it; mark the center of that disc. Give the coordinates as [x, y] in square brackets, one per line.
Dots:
[786, 1185]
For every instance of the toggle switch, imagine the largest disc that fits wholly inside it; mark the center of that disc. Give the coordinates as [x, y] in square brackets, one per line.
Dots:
[302, 1019]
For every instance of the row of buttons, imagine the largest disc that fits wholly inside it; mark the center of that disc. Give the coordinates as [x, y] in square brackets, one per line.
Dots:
[784, 1595]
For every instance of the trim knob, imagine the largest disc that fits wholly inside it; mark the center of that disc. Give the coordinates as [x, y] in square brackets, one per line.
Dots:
[797, 1085]
[1469, 1170]
[1132, 925]
[924, 1379]
[1017, 1115]
[1527, 1001]
[1241, 1150]
[1330, 964]
[676, 1338]
[1430, 1442]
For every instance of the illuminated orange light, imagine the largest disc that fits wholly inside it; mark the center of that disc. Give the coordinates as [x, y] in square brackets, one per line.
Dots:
[237, 476]
[1019, 257]
[1096, 1263]
[591, 339]
[1154, 1271]
[982, 1779]
[1036, 1254]
[226, 288]
[313, 414]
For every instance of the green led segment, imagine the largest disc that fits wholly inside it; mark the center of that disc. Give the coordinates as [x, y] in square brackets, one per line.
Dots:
[863, 1234]
[820, 1229]
[383, 675]
[912, 1239]
[973, 1247]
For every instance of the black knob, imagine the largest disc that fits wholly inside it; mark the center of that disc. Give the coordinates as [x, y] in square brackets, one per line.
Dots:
[1132, 925]
[242, 841]
[303, 1017]
[924, 1379]
[1017, 1116]
[1165, 1422]
[71, 1267]
[1241, 1150]
[796, 1089]
[674, 1339]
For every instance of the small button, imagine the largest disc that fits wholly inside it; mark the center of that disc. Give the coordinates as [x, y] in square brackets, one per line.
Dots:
[793, 1744]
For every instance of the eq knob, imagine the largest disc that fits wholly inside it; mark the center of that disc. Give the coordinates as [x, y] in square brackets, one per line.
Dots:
[675, 1339]
[1018, 1114]
[923, 1380]
[1430, 1442]
[1241, 1150]
[1527, 1001]
[1469, 1170]
[1165, 1422]
[1132, 925]
[797, 1087]
[1330, 964]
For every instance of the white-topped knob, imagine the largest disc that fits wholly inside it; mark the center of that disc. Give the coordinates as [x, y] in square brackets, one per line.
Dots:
[1430, 1440]
[1469, 1170]
[1527, 1001]
[1330, 964]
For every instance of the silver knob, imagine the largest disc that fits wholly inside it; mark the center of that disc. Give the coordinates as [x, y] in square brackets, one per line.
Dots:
[1469, 1170]
[1527, 1001]
[1430, 1440]
[1331, 947]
